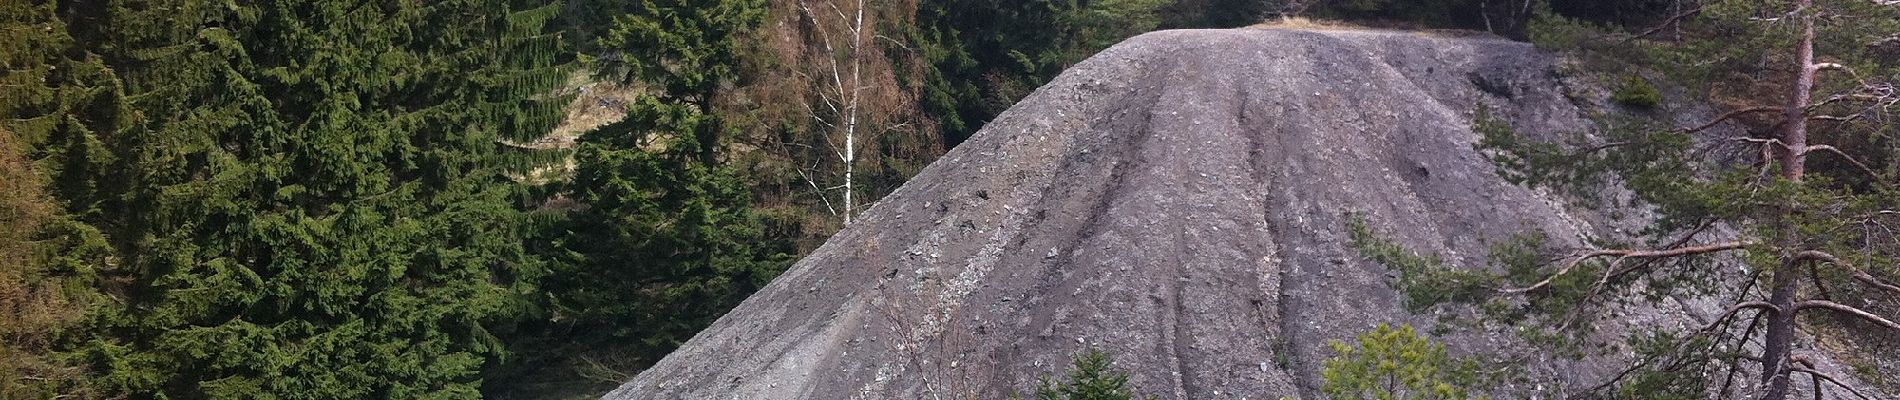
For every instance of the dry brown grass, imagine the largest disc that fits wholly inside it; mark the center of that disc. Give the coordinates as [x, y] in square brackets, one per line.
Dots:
[1310, 24]
[33, 305]
[595, 103]
[1304, 23]
[23, 207]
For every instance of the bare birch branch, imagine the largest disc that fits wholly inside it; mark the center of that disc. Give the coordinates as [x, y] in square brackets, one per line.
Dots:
[817, 191]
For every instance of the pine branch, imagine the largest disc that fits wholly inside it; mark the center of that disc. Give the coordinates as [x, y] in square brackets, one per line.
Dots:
[1624, 254]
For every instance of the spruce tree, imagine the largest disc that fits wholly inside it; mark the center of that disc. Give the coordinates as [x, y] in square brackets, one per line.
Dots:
[980, 56]
[313, 201]
[1092, 377]
[665, 240]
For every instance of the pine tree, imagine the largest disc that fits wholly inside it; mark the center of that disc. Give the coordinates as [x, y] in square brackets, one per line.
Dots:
[1395, 363]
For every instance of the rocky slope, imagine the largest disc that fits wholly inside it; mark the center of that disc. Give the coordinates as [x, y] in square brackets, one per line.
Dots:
[1180, 201]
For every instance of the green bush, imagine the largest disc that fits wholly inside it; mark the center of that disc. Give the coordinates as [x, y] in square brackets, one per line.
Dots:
[1093, 377]
[1637, 92]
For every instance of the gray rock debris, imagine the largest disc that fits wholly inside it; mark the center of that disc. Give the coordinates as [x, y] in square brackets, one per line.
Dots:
[1177, 200]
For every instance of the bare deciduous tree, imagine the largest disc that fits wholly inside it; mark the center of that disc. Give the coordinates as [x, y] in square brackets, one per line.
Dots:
[845, 37]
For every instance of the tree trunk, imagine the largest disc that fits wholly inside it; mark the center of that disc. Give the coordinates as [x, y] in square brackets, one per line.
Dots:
[851, 122]
[1781, 330]
[1794, 140]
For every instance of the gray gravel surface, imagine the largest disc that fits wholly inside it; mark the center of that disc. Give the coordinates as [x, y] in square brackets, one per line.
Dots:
[1178, 200]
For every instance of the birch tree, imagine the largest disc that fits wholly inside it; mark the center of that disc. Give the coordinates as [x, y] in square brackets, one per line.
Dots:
[842, 33]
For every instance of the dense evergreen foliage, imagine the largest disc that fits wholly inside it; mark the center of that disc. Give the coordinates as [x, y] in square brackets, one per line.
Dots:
[981, 56]
[304, 199]
[665, 239]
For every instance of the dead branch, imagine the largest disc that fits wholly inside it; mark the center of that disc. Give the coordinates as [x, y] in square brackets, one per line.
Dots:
[1830, 100]
[1730, 115]
[1624, 254]
[1762, 141]
[1808, 368]
[1866, 98]
[1846, 309]
[1814, 273]
[1764, 306]
[1741, 342]
[1859, 274]
[1615, 270]
[1671, 21]
[1811, 148]
[1711, 328]
[1850, 159]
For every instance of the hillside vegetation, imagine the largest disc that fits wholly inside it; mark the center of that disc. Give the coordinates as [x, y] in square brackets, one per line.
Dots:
[537, 199]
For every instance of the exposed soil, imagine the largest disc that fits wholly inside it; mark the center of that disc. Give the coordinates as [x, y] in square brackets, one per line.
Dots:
[1180, 201]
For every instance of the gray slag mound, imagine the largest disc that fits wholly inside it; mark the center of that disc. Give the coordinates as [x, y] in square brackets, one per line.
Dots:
[1178, 200]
